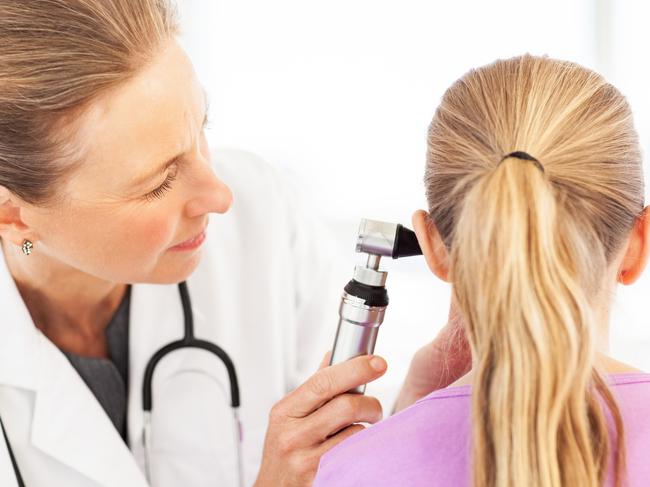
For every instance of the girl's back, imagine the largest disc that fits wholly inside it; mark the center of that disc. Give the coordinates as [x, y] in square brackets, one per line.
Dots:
[429, 444]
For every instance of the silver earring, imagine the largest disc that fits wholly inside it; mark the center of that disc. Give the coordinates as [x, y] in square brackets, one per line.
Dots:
[27, 247]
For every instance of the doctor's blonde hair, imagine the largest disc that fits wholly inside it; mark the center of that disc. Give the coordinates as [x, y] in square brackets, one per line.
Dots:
[529, 248]
[56, 56]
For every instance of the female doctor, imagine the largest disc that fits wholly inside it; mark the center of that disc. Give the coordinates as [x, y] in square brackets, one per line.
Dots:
[108, 200]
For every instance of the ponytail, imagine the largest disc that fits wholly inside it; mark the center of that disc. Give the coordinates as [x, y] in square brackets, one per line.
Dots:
[525, 272]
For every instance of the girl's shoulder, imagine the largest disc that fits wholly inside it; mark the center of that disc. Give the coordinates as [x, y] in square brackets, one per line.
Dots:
[427, 440]
[628, 379]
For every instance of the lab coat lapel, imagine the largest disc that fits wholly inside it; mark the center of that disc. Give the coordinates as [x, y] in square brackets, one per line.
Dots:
[81, 435]
[68, 423]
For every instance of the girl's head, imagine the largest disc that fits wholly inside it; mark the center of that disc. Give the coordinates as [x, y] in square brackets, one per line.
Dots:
[533, 252]
[103, 161]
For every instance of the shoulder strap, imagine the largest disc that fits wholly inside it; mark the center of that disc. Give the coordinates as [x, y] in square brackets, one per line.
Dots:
[19, 478]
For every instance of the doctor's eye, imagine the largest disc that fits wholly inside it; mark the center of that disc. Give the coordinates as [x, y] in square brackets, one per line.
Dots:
[160, 191]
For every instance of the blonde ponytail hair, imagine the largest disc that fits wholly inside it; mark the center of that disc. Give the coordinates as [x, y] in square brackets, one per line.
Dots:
[529, 247]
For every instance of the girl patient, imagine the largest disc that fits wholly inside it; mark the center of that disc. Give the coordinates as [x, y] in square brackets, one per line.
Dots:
[535, 191]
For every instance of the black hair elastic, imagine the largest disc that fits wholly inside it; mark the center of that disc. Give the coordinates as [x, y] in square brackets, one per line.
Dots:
[524, 156]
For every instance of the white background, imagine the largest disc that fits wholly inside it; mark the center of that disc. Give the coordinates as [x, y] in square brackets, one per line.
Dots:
[340, 93]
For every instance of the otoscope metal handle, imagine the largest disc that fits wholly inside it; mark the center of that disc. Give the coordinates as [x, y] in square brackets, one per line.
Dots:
[357, 331]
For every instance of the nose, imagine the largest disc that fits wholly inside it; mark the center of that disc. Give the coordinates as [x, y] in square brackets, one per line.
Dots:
[209, 194]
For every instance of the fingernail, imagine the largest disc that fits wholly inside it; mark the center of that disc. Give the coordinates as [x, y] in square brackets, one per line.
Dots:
[378, 363]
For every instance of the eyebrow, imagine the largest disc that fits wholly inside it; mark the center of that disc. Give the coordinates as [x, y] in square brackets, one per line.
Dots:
[143, 179]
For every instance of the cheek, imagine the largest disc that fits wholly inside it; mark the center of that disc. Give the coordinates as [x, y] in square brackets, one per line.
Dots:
[153, 234]
[118, 246]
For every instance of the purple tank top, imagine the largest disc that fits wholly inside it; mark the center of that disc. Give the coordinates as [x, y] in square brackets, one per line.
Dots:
[428, 444]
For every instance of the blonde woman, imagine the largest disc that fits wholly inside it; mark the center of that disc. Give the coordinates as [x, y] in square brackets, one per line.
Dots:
[535, 192]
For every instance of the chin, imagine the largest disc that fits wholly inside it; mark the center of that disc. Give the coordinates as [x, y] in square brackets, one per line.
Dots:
[178, 270]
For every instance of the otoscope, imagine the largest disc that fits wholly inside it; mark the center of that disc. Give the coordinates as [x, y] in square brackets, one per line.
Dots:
[364, 299]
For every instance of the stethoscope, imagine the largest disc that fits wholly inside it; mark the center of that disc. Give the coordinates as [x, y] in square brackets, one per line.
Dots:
[188, 341]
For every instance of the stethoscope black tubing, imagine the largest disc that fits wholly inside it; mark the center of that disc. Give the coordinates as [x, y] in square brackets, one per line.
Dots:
[19, 477]
[188, 341]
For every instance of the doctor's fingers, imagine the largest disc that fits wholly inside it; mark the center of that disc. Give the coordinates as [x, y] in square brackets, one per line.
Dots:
[340, 412]
[339, 437]
[304, 434]
[328, 383]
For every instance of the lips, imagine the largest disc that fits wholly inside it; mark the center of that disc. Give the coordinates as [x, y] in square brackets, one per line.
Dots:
[192, 242]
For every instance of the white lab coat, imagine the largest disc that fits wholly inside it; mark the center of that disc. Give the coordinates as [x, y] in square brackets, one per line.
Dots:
[263, 292]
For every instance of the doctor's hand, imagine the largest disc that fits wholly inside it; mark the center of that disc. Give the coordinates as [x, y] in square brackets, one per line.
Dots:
[437, 364]
[315, 417]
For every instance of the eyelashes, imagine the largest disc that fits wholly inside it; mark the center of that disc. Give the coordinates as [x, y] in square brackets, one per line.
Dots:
[160, 191]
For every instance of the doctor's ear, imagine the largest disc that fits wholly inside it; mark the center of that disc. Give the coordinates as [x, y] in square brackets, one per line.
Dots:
[433, 248]
[12, 227]
[638, 247]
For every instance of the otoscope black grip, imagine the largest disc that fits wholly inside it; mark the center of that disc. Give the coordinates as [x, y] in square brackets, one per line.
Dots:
[372, 295]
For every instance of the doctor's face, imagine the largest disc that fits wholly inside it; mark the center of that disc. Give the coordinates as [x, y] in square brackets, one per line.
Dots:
[144, 184]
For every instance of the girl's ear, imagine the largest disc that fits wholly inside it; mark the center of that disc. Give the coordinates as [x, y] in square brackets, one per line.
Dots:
[433, 248]
[636, 254]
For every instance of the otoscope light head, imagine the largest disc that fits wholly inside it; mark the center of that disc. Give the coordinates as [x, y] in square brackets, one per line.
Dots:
[387, 239]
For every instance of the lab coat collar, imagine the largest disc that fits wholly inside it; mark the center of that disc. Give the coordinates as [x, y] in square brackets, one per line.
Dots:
[16, 369]
[67, 423]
